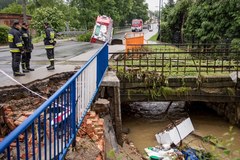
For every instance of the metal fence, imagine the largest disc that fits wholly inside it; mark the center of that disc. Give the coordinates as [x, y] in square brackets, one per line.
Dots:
[52, 128]
[178, 59]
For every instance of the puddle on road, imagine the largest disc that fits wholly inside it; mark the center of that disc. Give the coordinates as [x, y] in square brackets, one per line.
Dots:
[205, 121]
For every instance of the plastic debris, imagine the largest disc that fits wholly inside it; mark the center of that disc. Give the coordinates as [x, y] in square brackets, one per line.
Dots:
[159, 153]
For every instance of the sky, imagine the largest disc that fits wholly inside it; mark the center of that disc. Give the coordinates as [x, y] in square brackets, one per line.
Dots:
[153, 4]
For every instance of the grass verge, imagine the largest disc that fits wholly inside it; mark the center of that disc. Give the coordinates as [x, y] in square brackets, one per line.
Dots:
[154, 37]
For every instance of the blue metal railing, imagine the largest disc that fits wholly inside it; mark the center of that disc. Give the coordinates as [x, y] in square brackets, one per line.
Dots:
[51, 129]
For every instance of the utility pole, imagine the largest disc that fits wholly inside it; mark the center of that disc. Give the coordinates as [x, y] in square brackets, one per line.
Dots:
[159, 21]
[24, 10]
[159, 7]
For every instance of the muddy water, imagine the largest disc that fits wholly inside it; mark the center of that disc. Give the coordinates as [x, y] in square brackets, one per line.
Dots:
[205, 121]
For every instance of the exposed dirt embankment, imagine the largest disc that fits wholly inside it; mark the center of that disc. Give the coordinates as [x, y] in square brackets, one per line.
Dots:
[17, 103]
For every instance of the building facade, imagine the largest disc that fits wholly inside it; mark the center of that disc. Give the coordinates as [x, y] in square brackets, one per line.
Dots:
[8, 19]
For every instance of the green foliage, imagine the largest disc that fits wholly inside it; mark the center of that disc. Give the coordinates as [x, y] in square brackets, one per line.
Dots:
[53, 16]
[111, 154]
[202, 21]
[84, 37]
[5, 3]
[37, 39]
[88, 11]
[120, 11]
[78, 14]
[223, 143]
[3, 34]
[166, 33]
[71, 17]
[235, 44]
[138, 10]
[12, 8]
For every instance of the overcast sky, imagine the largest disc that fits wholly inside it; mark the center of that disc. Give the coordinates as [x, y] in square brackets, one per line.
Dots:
[153, 4]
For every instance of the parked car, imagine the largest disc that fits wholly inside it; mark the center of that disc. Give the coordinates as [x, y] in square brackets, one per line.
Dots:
[150, 27]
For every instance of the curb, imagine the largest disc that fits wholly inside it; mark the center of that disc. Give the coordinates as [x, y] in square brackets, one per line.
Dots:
[6, 47]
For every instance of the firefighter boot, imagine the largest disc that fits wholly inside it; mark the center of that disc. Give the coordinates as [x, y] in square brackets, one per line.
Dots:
[24, 69]
[51, 67]
[17, 74]
[28, 67]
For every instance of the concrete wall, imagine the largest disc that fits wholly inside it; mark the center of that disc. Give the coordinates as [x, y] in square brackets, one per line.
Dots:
[231, 111]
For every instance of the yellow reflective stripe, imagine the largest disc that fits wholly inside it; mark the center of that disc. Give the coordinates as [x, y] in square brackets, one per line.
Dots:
[52, 35]
[19, 45]
[14, 50]
[49, 46]
[25, 35]
[10, 38]
[51, 59]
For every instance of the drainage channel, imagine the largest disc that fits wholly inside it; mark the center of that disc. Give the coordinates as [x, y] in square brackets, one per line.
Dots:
[212, 132]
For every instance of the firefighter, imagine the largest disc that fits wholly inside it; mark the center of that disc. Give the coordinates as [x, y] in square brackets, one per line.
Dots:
[49, 43]
[28, 47]
[16, 47]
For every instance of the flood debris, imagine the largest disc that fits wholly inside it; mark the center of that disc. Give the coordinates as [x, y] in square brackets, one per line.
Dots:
[175, 133]
[168, 140]
[161, 153]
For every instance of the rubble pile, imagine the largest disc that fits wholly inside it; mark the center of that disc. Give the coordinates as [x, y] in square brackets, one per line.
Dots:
[13, 113]
[90, 139]
[16, 103]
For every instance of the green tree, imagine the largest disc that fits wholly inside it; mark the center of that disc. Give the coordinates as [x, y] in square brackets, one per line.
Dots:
[214, 20]
[71, 17]
[5, 3]
[109, 8]
[175, 16]
[120, 11]
[3, 34]
[53, 16]
[139, 11]
[12, 8]
[88, 10]
[124, 7]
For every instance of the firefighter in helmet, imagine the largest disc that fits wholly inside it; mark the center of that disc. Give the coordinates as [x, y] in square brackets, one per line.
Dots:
[28, 47]
[16, 47]
[49, 43]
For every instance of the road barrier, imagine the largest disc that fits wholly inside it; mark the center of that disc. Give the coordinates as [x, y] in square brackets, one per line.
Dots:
[134, 40]
[52, 128]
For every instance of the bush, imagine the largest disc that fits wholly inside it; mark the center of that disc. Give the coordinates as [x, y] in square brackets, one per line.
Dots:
[166, 35]
[85, 37]
[4, 34]
[235, 44]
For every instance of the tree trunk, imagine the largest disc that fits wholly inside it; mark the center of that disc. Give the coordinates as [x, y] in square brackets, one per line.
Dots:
[181, 30]
[24, 9]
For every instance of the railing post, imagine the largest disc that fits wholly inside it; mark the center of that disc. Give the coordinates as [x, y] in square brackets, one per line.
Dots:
[73, 106]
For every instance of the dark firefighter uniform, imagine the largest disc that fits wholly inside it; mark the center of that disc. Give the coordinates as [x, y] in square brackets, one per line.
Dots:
[49, 43]
[28, 46]
[16, 47]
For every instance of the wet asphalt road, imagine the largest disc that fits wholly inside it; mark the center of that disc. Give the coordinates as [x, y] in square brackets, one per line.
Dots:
[65, 49]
